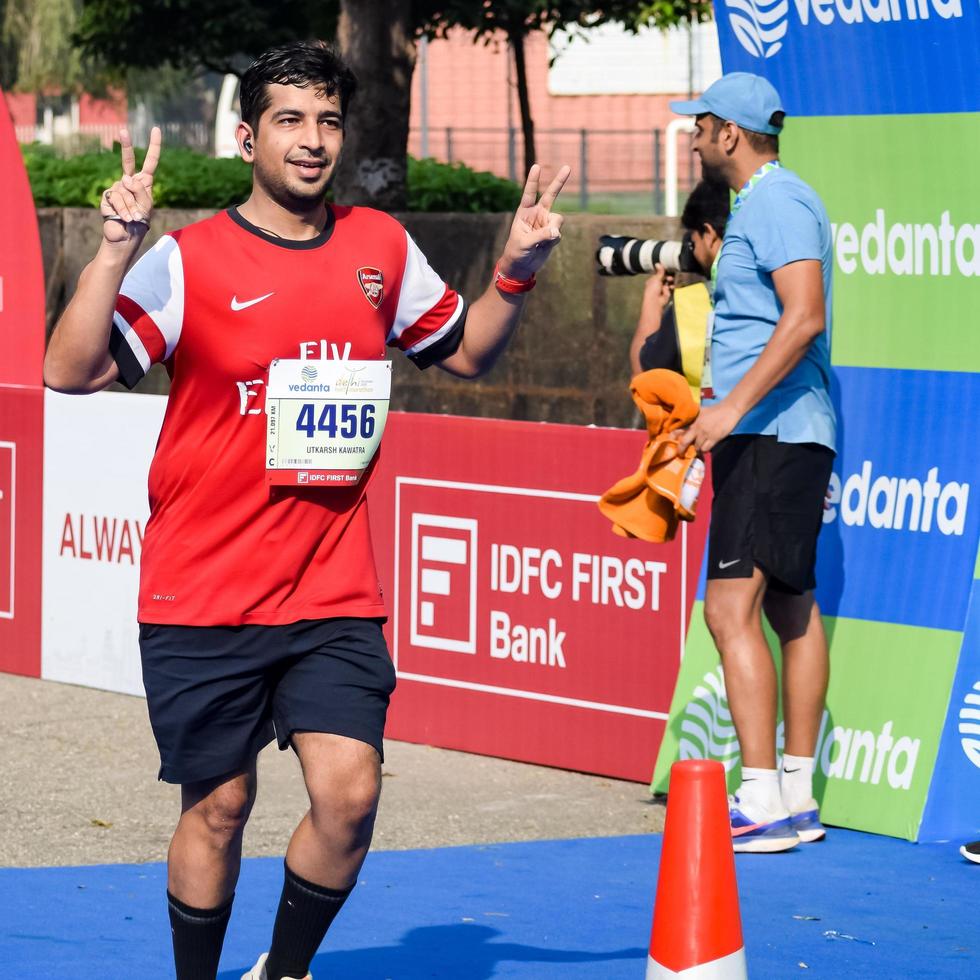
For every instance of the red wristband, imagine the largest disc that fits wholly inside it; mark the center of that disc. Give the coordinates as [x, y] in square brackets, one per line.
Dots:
[507, 285]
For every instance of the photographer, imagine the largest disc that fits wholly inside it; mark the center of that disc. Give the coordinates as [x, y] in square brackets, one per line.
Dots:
[655, 342]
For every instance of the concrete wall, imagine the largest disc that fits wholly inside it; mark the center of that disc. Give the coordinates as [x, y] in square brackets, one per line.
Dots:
[567, 363]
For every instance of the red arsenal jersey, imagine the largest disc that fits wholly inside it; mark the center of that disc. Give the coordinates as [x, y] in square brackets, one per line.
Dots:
[216, 302]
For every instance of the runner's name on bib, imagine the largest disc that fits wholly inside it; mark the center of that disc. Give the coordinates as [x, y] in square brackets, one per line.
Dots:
[324, 420]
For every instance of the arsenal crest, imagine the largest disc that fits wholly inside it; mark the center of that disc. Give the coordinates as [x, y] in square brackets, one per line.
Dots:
[373, 284]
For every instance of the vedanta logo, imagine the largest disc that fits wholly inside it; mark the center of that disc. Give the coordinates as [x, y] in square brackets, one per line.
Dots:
[907, 249]
[848, 754]
[898, 503]
[760, 25]
[871, 757]
[970, 725]
[707, 731]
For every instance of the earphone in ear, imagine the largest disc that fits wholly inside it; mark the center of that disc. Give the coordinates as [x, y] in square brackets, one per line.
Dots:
[248, 144]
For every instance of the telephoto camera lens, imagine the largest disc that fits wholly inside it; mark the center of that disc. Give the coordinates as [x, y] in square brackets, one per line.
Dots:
[618, 255]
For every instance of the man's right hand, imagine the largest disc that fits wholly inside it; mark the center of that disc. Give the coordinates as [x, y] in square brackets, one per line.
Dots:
[657, 290]
[656, 296]
[131, 197]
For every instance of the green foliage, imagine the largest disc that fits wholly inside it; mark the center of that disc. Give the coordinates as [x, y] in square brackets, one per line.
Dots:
[37, 51]
[220, 35]
[434, 186]
[520, 17]
[185, 179]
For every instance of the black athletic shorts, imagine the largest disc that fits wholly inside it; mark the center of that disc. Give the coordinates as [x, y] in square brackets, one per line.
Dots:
[218, 694]
[767, 510]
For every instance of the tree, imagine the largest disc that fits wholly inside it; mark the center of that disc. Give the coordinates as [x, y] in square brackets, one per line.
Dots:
[516, 19]
[216, 35]
[376, 37]
[36, 50]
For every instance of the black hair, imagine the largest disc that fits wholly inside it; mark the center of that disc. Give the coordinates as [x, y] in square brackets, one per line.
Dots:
[299, 63]
[760, 142]
[708, 204]
[766, 142]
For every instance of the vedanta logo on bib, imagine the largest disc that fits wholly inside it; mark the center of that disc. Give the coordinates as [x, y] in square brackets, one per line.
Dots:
[761, 25]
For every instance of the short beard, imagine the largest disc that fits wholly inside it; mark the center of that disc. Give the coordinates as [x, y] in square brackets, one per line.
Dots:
[712, 174]
[285, 196]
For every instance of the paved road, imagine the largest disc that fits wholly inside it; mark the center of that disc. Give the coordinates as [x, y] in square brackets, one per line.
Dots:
[77, 786]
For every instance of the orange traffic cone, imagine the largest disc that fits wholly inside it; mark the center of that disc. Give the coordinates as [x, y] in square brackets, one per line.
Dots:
[697, 931]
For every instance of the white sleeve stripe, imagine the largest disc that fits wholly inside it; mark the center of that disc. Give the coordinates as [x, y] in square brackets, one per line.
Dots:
[156, 285]
[441, 332]
[132, 339]
[420, 290]
[171, 316]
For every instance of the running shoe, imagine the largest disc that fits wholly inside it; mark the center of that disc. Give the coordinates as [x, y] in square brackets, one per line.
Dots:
[258, 971]
[971, 851]
[806, 823]
[759, 837]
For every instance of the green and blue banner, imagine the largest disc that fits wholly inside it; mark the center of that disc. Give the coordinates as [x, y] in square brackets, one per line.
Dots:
[884, 122]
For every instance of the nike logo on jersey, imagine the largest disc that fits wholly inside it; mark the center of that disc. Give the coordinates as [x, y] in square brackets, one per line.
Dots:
[236, 306]
[728, 564]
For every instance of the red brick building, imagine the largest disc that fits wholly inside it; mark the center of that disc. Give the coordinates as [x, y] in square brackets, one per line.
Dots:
[606, 97]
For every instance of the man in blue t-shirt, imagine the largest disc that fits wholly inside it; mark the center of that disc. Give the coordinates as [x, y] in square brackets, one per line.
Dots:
[769, 423]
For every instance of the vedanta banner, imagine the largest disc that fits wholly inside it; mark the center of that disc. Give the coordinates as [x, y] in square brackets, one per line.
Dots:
[884, 121]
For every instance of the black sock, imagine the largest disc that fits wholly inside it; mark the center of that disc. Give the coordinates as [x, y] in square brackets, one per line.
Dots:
[305, 913]
[198, 935]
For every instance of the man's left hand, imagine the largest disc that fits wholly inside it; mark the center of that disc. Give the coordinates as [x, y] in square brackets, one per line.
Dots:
[712, 425]
[536, 229]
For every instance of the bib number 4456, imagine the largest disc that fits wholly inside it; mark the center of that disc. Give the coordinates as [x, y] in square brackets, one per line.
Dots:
[343, 419]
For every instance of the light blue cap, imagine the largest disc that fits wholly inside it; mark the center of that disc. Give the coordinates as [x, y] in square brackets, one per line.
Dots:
[746, 99]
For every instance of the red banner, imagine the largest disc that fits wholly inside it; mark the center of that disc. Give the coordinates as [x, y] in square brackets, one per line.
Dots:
[521, 626]
[21, 412]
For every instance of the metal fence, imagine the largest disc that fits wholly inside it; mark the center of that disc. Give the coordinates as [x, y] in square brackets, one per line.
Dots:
[624, 166]
[619, 170]
[86, 137]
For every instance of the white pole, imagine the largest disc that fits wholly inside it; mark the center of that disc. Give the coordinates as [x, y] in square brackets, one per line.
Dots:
[226, 119]
[674, 128]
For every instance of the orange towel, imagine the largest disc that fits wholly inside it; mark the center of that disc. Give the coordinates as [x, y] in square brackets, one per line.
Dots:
[646, 504]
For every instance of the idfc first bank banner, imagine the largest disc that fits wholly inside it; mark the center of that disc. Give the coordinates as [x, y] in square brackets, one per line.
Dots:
[884, 121]
[521, 626]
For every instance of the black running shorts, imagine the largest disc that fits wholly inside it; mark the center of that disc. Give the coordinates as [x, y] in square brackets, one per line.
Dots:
[767, 510]
[218, 694]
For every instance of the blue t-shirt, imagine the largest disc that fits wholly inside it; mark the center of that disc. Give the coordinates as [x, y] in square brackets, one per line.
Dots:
[781, 221]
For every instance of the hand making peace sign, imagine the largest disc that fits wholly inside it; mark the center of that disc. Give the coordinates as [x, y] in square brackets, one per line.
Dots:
[536, 230]
[128, 205]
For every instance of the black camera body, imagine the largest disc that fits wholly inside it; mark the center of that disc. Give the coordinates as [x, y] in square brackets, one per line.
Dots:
[618, 255]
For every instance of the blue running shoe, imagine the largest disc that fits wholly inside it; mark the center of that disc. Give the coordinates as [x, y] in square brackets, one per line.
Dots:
[759, 837]
[806, 823]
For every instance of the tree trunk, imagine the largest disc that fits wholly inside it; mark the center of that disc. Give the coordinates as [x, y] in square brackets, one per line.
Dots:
[376, 41]
[515, 36]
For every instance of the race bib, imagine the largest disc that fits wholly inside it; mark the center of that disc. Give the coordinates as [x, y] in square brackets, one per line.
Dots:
[324, 420]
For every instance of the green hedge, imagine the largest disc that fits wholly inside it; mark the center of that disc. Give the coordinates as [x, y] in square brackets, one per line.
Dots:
[186, 179]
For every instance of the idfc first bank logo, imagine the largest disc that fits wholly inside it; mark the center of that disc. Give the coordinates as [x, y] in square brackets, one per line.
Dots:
[761, 25]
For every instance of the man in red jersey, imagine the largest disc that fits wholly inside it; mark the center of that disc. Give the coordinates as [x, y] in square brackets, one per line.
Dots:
[260, 610]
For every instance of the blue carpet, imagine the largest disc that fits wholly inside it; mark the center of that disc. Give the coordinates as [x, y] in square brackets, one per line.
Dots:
[854, 906]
